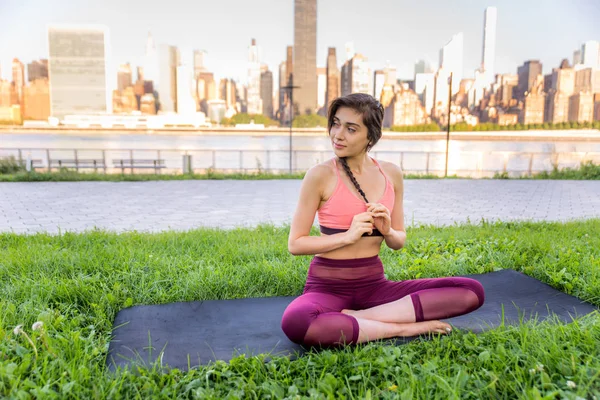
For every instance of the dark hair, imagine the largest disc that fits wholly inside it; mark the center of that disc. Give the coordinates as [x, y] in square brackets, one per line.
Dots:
[372, 114]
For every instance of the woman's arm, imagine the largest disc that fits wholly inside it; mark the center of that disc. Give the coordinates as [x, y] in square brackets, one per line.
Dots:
[311, 192]
[396, 239]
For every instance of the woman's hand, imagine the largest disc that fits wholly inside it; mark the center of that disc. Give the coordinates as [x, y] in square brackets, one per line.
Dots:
[381, 216]
[361, 224]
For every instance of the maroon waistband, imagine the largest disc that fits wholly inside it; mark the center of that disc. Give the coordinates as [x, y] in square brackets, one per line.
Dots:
[347, 262]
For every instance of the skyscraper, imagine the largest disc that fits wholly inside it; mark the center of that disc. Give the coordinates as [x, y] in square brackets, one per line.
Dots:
[37, 69]
[333, 77]
[18, 73]
[528, 75]
[489, 44]
[451, 60]
[356, 76]
[124, 77]
[266, 91]
[151, 61]
[305, 55]
[254, 98]
[168, 61]
[590, 54]
[199, 62]
[78, 69]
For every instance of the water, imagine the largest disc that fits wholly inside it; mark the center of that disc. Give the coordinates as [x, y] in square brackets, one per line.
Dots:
[466, 157]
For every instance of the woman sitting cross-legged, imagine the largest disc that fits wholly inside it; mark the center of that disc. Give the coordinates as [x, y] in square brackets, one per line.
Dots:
[346, 298]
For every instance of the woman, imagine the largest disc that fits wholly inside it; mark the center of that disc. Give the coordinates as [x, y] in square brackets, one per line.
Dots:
[347, 299]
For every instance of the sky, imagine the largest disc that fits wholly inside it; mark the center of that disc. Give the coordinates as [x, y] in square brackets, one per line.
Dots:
[398, 31]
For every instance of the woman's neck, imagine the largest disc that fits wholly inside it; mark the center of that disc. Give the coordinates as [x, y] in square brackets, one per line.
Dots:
[359, 163]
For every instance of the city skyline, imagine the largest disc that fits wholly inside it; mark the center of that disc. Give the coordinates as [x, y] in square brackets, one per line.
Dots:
[227, 53]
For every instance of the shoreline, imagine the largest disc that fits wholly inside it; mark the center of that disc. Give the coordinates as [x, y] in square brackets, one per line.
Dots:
[591, 135]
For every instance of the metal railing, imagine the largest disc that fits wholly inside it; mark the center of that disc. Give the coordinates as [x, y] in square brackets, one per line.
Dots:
[473, 163]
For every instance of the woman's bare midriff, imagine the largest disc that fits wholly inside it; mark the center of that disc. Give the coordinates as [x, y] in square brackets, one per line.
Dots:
[364, 247]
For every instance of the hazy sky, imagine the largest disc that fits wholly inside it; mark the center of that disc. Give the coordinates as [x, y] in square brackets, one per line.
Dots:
[401, 31]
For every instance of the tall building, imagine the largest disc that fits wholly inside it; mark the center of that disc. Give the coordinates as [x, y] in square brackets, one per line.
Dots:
[489, 45]
[590, 54]
[562, 87]
[305, 56]
[423, 67]
[37, 100]
[151, 61]
[37, 69]
[406, 109]
[124, 77]
[254, 97]
[451, 59]
[166, 84]
[508, 83]
[289, 64]
[18, 74]
[6, 91]
[581, 107]
[227, 90]
[333, 77]
[185, 84]
[534, 103]
[577, 57]
[587, 80]
[77, 67]
[440, 93]
[266, 92]
[528, 75]
[356, 76]
[378, 82]
[321, 87]
[424, 88]
[199, 62]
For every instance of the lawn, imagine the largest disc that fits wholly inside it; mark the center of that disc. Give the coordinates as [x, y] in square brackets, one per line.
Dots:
[75, 283]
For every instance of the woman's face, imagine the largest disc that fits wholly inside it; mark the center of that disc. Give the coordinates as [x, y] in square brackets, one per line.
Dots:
[348, 134]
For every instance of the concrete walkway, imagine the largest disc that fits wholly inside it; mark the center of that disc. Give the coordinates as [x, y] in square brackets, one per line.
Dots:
[182, 205]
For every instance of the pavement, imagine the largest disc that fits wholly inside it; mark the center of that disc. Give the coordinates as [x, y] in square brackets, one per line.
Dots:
[53, 207]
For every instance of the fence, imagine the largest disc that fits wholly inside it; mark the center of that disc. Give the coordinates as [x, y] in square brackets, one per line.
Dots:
[463, 163]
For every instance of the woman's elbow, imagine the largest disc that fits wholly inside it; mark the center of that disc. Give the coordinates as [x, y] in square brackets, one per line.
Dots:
[292, 247]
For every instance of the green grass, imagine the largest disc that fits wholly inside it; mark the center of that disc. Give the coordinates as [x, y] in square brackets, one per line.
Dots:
[76, 283]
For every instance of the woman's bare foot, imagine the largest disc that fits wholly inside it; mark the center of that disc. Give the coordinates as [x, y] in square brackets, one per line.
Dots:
[416, 328]
[419, 328]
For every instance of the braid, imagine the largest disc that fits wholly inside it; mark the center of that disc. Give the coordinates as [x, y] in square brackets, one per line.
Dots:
[352, 178]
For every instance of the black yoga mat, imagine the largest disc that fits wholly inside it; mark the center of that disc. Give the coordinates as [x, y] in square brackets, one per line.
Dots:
[187, 334]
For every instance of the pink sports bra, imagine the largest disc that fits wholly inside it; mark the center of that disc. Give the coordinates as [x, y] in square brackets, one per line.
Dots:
[336, 214]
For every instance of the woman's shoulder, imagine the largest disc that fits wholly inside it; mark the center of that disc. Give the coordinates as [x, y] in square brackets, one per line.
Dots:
[393, 170]
[323, 170]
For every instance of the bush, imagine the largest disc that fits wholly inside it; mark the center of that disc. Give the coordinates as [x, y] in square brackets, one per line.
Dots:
[244, 118]
[310, 121]
[10, 165]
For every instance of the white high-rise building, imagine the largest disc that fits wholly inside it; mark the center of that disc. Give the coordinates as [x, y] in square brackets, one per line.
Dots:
[424, 88]
[489, 45]
[166, 85]
[254, 99]
[321, 86]
[451, 60]
[185, 82]
[79, 56]
[590, 54]
[151, 61]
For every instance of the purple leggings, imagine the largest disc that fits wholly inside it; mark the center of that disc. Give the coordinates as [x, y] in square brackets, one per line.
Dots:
[332, 285]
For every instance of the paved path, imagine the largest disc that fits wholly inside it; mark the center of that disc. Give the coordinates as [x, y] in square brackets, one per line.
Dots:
[182, 205]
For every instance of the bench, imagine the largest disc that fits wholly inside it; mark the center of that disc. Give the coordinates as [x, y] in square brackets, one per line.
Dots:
[80, 163]
[139, 163]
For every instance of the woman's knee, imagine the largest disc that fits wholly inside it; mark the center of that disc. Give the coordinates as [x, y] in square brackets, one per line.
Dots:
[296, 320]
[475, 287]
